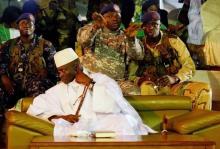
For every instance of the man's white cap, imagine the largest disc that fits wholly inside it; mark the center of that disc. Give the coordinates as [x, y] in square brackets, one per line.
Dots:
[65, 56]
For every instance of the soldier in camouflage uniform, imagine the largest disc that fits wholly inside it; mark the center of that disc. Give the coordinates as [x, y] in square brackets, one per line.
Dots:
[65, 14]
[106, 47]
[26, 64]
[167, 66]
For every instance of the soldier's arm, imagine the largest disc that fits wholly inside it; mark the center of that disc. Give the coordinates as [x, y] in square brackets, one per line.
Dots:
[86, 35]
[188, 67]
[135, 50]
[48, 54]
[4, 58]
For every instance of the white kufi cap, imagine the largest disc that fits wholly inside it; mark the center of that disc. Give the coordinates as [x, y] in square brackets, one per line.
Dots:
[65, 56]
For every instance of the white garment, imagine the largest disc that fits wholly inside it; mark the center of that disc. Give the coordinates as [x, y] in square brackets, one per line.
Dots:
[212, 47]
[62, 100]
[195, 27]
[14, 33]
[210, 15]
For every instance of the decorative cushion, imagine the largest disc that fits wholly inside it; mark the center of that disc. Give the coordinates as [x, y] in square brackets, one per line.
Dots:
[193, 121]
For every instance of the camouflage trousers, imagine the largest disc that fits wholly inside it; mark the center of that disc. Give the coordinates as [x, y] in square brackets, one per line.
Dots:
[199, 92]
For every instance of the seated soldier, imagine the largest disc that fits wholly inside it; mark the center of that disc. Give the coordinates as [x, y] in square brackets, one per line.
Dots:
[82, 102]
[167, 65]
[109, 48]
[26, 64]
[154, 5]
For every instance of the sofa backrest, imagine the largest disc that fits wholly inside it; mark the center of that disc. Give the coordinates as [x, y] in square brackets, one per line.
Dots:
[150, 102]
[153, 108]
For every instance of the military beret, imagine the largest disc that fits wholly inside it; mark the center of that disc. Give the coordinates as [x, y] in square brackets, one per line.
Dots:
[26, 16]
[110, 8]
[150, 16]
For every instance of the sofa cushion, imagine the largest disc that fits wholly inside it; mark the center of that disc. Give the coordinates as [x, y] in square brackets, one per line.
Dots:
[194, 121]
[159, 102]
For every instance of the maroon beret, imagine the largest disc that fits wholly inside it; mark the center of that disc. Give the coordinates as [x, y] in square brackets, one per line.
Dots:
[150, 16]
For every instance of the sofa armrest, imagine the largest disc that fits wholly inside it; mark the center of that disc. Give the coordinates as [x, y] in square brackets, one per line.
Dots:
[25, 103]
[194, 121]
[24, 120]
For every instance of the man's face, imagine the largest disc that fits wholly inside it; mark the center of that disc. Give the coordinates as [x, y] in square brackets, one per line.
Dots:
[26, 27]
[152, 29]
[68, 72]
[152, 8]
[113, 20]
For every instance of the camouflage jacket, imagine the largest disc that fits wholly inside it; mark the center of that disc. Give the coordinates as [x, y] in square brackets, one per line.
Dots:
[169, 57]
[20, 62]
[110, 53]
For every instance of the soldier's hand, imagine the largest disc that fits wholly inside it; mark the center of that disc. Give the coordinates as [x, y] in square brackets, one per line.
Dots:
[167, 80]
[8, 84]
[99, 21]
[175, 28]
[132, 29]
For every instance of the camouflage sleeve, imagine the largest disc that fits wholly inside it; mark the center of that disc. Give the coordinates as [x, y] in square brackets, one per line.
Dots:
[86, 35]
[49, 52]
[132, 69]
[134, 49]
[188, 67]
[4, 58]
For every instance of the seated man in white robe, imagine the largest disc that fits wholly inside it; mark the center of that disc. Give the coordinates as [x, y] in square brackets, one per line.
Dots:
[82, 103]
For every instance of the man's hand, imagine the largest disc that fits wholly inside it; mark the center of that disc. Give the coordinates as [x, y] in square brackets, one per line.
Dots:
[175, 28]
[70, 118]
[8, 84]
[167, 80]
[132, 29]
[82, 78]
[99, 21]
